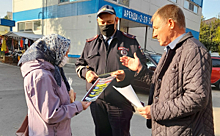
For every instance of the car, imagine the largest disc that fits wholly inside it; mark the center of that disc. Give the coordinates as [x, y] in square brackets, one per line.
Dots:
[152, 60]
[214, 54]
[215, 76]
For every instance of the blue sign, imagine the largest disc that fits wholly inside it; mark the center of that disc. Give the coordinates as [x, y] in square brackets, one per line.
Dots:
[137, 16]
[7, 22]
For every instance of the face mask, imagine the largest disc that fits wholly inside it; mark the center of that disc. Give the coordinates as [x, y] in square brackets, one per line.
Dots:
[64, 61]
[107, 30]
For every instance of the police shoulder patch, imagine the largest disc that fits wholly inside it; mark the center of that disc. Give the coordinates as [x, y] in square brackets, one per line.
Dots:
[91, 39]
[128, 35]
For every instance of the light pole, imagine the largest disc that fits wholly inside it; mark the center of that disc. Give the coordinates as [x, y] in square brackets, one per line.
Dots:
[42, 20]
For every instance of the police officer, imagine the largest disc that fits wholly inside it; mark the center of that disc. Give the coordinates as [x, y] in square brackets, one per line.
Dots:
[111, 112]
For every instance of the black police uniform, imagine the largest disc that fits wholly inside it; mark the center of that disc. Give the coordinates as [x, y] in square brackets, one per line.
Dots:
[111, 112]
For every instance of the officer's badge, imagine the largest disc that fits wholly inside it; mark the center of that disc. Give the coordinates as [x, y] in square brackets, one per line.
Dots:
[124, 51]
[142, 51]
[139, 47]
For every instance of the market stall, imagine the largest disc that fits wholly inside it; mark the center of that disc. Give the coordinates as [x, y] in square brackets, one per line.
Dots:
[14, 44]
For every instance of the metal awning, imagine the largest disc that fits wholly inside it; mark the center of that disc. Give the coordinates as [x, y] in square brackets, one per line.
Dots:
[130, 24]
[18, 35]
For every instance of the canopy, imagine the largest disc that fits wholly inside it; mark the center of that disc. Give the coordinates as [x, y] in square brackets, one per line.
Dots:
[18, 35]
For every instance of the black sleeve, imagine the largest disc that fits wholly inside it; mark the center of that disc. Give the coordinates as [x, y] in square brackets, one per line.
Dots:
[140, 54]
[141, 82]
[81, 64]
[145, 76]
[150, 101]
[129, 74]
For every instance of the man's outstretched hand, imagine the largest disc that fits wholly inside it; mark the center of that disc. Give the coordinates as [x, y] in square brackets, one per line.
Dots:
[132, 63]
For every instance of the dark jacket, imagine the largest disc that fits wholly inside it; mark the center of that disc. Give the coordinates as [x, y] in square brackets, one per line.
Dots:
[102, 58]
[182, 100]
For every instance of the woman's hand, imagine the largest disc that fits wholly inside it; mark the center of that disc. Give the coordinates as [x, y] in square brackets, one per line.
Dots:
[119, 75]
[72, 95]
[132, 63]
[85, 104]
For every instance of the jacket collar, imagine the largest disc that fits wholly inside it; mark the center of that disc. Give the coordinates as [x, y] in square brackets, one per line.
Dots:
[178, 41]
[186, 36]
[116, 35]
[173, 44]
[160, 65]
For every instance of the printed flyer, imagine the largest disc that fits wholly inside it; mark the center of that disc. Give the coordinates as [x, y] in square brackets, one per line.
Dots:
[97, 88]
[129, 94]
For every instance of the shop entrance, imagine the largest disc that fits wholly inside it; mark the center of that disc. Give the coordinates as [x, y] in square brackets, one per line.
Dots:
[125, 25]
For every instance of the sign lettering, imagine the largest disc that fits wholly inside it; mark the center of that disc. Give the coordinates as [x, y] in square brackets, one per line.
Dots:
[137, 17]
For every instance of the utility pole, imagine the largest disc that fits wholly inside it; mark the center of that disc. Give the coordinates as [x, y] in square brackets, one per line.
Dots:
[42, 20]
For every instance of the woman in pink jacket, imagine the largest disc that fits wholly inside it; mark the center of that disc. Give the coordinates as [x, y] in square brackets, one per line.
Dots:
[50, 107]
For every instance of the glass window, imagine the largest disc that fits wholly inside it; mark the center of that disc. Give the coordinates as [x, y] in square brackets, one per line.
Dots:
[156, 58]
[150, 63]
[28, 26]
[37, 25]
[63, 1]
[124, 2]
[173, 0]
[191, 6]
[215, 63]
[186, 4]
[21, 26]
[195, 9]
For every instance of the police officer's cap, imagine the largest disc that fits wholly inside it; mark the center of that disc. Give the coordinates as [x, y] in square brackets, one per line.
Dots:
[106, 9]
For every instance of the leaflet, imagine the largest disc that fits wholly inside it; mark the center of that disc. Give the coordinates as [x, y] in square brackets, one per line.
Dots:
[129, 94]
[97, 88]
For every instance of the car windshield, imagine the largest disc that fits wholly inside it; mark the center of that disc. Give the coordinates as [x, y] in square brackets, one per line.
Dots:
[156, 58]
[215, 62]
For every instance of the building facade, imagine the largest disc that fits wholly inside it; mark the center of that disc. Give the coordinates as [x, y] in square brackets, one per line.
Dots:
[76, 19]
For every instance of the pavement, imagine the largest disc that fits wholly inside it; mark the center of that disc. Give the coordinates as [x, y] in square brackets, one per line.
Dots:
[13, 107]
[71, 63]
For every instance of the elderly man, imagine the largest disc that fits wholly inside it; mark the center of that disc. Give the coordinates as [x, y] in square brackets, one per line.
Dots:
[111, 112]
[180, 101]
